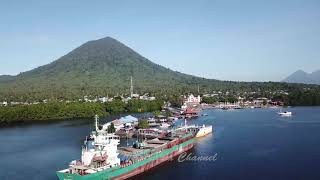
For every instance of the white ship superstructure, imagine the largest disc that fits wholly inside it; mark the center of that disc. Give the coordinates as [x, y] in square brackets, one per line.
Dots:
[100, 152]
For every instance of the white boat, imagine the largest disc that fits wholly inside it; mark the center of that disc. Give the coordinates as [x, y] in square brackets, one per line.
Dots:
[198, 131]
[286, 113]
[204, 131]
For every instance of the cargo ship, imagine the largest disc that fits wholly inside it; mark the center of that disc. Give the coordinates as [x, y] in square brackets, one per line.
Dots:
[102, 158]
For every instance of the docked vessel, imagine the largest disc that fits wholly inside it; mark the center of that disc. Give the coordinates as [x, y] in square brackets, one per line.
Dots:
[198, 131]
[102, 159]
[286, 113]
[203, 131]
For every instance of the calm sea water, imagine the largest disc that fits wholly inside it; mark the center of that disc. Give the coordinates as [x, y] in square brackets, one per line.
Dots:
[250, 144]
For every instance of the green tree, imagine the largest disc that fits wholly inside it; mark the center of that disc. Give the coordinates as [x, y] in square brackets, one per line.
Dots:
[143, 124]
[115, 107]
[111, 128]
[157, 113]
[209, 100]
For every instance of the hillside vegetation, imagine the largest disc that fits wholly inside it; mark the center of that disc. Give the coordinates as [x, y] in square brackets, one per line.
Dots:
[58, 110]
[103, 67]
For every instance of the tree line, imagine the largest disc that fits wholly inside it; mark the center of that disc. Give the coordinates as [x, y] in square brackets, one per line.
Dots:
[62, 110]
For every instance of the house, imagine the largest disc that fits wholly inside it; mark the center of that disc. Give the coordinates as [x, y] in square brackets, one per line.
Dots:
[147, 98]
[136, 96]
[129, 119]
[103, 99]
[13, 103]
[190, 113]
[4, 103]
[117, 125]
[240, 99]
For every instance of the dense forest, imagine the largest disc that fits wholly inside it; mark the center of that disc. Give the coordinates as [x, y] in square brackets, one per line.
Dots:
[307, 98]
[58, 110]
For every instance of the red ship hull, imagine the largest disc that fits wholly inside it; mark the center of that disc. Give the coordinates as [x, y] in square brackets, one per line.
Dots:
[154, 163]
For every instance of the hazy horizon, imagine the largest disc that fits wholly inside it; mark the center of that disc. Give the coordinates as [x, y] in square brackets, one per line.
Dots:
[225, 40]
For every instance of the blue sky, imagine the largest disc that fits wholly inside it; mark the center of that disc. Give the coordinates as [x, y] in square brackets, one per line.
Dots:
[231, 40]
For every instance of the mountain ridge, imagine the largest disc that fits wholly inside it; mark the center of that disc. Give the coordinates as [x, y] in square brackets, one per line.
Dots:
[103, 67]
[301, 76]
[98, 64]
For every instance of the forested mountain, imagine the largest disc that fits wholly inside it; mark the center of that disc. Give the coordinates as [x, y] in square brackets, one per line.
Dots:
[104, 66]
[5, 78]
[303, 77]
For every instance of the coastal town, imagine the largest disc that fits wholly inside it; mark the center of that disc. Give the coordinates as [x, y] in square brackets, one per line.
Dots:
[214, 99]
[156, 90]
[154, 139]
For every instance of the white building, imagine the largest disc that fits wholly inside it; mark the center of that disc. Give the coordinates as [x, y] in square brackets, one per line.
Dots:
[103, 99]
[5, 103]
[240, 99]
[147, 98]
[192, 99]
[135, 96]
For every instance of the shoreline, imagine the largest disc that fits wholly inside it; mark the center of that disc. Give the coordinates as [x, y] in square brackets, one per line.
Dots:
[53, 112]
[51, 121]
[7, 124]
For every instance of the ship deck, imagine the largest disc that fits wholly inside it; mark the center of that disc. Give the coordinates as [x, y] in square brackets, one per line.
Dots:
[149, 145]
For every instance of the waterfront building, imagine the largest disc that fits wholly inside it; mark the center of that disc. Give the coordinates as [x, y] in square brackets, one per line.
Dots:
[191, 99]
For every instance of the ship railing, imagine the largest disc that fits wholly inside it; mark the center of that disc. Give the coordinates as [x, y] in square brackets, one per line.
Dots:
[141, 158]
[65, 171]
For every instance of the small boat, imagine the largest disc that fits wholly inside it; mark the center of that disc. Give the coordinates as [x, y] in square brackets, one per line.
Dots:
[197, 131]
[286, 113]
[204, 131]
[204, 114]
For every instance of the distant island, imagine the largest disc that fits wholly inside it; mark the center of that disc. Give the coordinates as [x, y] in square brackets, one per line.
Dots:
[301, 76]
[101, 70]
